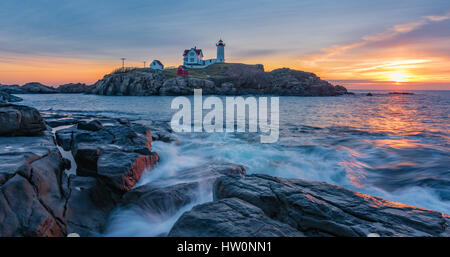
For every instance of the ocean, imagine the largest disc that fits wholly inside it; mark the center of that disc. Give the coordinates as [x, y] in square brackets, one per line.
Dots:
[392, 146]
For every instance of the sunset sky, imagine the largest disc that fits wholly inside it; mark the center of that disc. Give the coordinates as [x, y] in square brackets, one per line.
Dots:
[364, 44]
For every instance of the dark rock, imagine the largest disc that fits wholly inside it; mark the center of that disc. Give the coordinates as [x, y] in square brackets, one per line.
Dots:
[11, 89]
[312, 208]
[88, 206]
[38, 88]
[341, 90]
[369, 94]
[401, 93]
[134, 82]
[18, 120]
[86, 158]
[186, 86]
[160, 131]
[122, 170]
[6, 97]
[38, 199]
[32, 200]
[74, 88]
[58, 122]
[229, 217]
[29, 88]
[93, 125]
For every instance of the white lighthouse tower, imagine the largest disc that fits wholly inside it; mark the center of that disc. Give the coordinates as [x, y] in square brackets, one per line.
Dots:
[220, 51]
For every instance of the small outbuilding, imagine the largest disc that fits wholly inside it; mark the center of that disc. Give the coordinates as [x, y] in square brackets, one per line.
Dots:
[156, 65]
[182, 71]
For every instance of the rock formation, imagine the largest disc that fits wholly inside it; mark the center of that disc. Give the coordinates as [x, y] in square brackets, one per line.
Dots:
[261, 205]
[74, 88]
[38, 88]
[134, 82]
[40, 198]
[220, 79]
[18, 120]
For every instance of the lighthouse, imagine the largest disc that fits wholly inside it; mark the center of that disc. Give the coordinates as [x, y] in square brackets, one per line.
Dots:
[220, 51]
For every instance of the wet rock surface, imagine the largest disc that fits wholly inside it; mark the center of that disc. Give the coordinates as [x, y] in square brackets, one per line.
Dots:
[19, 120]
[309, 208]
[38, 197]
[229, 217]
[32, 200]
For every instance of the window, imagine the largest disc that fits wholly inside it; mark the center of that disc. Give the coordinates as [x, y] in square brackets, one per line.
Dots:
[192, 60]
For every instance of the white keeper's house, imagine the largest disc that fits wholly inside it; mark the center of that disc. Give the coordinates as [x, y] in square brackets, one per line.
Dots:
[193, 58]
[156, 65]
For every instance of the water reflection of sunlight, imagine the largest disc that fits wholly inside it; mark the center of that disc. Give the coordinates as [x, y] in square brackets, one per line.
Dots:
[393, 117]
[397, 143]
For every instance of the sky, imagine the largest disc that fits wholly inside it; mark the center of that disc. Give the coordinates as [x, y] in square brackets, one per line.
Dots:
[362, 44]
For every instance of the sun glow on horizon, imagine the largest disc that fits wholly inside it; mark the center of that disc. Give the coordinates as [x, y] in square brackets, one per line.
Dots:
[399, 77]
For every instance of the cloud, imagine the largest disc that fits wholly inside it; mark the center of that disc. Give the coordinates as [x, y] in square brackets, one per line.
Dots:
[385, 35]
[414, 51]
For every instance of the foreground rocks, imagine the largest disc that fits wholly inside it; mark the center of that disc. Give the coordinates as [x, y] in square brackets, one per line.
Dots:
[32, 199]
[261, 205]
[220, 79]
[40, 198]
[19, 120]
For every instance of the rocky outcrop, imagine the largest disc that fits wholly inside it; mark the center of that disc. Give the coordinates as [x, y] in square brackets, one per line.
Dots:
[18, 120]
[40, 198]
[261, 205]
[230, 217]
[74, 88]
[38, 88]
[32, 198]
[134, 82]
[6, 97]
[219, 79]
[11, 89]
[186, 86]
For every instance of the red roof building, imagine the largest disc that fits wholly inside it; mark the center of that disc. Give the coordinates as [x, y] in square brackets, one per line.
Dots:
[182, 71]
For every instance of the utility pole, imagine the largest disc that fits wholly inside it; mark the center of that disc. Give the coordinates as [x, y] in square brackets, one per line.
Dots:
[123, 62]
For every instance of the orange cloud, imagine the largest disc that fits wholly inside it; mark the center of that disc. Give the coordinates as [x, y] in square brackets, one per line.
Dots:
[376, 58]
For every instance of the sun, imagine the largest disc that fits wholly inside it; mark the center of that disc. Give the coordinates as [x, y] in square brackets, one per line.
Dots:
[399, 77]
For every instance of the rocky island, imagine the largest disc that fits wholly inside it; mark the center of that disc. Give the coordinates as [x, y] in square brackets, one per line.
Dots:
[216, 79]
